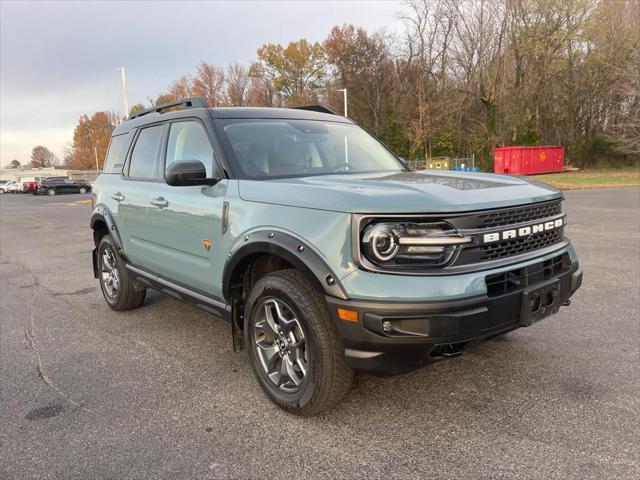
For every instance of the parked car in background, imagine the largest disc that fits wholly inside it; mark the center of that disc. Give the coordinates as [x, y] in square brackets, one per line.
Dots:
[29, 184]
[11, 187]
[2, 185]
[55, 185]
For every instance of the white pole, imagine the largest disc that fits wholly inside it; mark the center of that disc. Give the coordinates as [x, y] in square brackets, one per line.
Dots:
[124, 91]
[344, 94]
[346, 150]
[346, 141]
[95, 150]
[346, 113]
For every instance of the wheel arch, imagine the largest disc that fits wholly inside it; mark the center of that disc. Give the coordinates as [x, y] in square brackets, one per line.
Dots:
[102, 223]
[293, 251]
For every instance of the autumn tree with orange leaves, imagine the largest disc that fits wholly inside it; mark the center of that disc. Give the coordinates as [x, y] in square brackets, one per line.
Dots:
[297, 71]
[91, 132]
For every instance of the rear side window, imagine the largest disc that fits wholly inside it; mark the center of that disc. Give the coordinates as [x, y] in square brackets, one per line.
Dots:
[116, 154]
[188, 141]
[145, 153]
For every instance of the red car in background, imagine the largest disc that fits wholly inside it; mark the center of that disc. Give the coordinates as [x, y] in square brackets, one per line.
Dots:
[30, 186]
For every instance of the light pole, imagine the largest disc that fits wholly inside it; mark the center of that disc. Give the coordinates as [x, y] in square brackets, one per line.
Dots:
[346, 141]
[124, 91]
[344, 92]
[95, 150]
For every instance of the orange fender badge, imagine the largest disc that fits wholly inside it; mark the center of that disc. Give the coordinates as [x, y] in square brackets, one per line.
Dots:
[206, 244]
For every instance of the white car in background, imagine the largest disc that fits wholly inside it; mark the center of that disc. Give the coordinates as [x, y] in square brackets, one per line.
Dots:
[10, 186]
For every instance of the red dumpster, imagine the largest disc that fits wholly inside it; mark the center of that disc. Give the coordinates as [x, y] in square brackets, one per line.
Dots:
[528, 160]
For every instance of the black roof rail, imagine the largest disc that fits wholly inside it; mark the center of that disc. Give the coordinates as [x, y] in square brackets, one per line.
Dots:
[316, 108]
[191, 102]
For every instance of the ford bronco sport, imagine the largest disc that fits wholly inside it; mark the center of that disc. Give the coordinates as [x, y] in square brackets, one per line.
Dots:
[326, 254]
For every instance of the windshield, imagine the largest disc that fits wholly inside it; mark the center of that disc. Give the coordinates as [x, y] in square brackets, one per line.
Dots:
[267, 148]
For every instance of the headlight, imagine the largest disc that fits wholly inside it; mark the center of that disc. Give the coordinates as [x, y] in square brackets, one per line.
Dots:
[407, 244]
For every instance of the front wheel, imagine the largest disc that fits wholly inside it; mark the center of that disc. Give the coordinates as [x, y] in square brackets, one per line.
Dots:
[293, 344]
[83, 190]
[51, 192]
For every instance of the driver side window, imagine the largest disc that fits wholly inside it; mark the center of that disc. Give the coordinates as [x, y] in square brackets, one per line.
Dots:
[189, 141]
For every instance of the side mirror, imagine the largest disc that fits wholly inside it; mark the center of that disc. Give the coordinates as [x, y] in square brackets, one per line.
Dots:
[188, 173]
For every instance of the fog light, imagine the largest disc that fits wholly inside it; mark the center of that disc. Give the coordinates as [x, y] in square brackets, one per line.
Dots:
[386, 326]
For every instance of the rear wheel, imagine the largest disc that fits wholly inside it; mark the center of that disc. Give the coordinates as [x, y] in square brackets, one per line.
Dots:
[117, 286]
[1, 191]
[51, 192]
[83, 190]
[294, 347]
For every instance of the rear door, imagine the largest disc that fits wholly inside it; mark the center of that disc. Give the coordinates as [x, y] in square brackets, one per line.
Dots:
[132, 193]
[68, 186]
[185, 223]
[58, 185]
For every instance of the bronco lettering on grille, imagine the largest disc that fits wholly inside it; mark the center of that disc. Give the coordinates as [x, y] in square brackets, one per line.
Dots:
[522, 231]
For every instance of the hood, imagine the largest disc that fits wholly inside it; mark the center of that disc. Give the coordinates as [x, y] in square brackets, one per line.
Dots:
[399, 192]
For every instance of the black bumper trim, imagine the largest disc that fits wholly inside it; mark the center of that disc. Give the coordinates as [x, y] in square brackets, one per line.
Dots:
[416, 331]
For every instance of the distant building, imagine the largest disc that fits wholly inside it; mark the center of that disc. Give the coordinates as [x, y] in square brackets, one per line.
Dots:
[19, 173]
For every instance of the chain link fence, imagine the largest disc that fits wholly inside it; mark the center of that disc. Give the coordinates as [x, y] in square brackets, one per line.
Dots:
[460, 164]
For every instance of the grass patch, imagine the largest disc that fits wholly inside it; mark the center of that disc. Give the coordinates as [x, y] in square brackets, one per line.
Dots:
[606, 178]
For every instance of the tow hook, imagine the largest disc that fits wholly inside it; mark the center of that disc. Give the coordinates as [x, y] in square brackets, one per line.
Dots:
[566, 303]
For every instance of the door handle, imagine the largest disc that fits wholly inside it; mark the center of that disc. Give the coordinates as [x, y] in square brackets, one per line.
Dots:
[118, 197]
[159, 202]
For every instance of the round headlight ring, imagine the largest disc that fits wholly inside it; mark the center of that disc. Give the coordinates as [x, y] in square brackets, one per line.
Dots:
[382, 243]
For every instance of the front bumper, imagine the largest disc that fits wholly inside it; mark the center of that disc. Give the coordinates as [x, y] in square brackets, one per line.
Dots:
[395, 337]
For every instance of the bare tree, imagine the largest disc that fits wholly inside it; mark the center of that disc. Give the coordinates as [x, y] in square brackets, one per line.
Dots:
[237, 84]
[183, 87]
[209, 82]
[42, 157]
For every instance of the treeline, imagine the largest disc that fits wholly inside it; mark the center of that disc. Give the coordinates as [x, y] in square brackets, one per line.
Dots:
[462, 77]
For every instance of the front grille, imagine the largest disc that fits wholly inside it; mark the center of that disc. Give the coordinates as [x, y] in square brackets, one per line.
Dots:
[492, 221]
[513, 216]
[518, 246]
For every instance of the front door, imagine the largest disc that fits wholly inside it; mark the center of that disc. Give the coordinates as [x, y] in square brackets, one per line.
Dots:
[185, 223]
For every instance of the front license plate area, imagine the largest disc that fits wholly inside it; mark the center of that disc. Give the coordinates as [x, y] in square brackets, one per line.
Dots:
[539, 302]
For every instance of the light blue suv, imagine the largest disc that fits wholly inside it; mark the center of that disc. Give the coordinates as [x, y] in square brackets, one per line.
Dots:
[326, 254]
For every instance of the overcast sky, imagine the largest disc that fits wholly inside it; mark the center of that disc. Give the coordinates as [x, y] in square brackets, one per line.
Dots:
[57, 59]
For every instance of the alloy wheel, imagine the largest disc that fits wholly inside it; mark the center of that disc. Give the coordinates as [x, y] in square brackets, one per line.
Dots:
[110, 276]
[280, 344]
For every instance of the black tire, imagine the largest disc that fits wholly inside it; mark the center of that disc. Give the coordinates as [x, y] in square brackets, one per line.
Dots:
[328, 378]
[51, 192]
[82, 190]
[126, 297]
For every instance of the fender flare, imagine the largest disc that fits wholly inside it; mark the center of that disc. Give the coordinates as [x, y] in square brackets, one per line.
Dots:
[102, 214]
[293, 250]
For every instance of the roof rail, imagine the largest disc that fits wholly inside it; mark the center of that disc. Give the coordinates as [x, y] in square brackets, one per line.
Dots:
[191, 102]
[316, 108]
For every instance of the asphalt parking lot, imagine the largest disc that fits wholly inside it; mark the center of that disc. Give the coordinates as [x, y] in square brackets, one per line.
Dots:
[158, 393]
